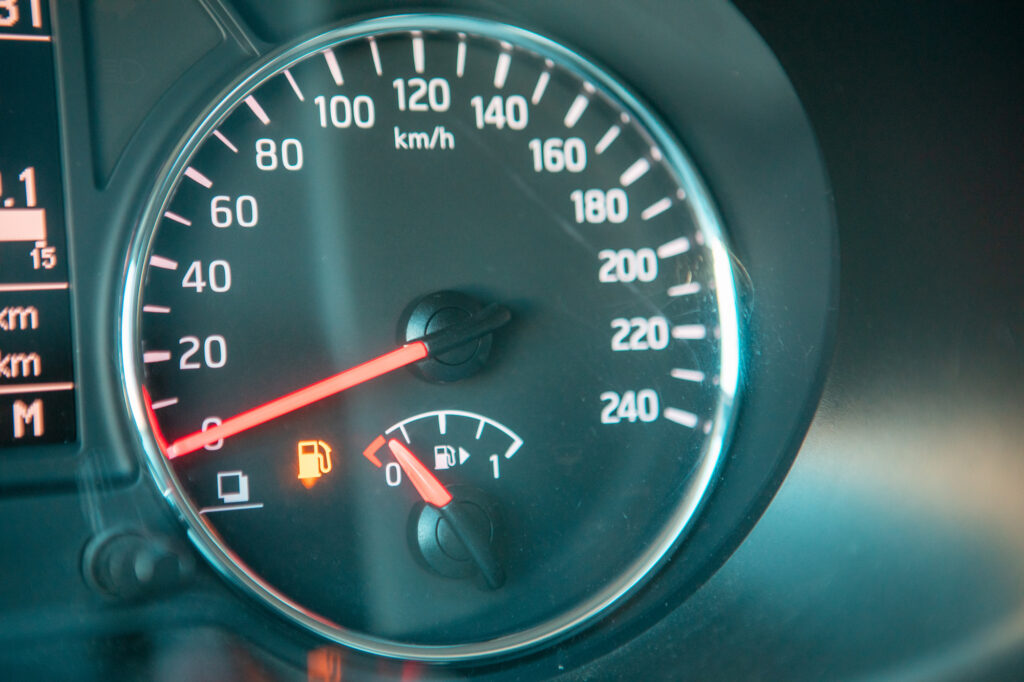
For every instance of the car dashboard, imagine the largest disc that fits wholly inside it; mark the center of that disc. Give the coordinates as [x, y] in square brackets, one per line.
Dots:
[684, 340]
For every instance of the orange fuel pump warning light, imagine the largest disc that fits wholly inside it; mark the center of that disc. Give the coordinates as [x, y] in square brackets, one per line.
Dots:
[314, 461]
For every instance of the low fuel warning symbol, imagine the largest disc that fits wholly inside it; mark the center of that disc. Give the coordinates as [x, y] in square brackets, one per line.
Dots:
[314, 461]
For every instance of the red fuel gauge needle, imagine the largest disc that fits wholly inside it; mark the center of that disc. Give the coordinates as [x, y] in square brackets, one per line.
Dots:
[434, 493]
[484, 322]
[430, 489]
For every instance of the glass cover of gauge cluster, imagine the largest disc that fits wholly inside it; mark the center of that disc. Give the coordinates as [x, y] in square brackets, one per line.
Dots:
[430, 333]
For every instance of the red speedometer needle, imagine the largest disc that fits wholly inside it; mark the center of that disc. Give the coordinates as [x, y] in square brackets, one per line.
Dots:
[430, 489]
[389, 362]
[484, 322]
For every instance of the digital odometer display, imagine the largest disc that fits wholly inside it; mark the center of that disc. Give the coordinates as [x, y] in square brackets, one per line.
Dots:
[37, 389]
[430, 334]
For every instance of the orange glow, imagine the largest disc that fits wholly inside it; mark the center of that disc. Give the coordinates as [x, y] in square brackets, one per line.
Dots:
[324, 664]
[430, 489]
[370, 452]
[389, 362]
[157, 433]
[411, 671]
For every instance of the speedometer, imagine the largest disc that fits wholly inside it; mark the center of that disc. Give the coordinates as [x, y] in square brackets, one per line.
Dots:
[430, 334]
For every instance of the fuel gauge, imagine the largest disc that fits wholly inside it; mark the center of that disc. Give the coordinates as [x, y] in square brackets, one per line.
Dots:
[456, 530]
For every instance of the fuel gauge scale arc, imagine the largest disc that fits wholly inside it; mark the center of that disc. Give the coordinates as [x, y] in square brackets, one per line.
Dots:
[452, 437]
[443, 416]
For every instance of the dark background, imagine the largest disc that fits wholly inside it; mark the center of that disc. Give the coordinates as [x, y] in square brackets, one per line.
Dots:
[894, 547]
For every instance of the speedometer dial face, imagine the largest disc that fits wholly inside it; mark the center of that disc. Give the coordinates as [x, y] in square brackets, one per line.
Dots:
[431, 337]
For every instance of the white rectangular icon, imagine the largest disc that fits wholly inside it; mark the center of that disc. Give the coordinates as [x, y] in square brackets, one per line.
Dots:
[232, 487]
[22, 224]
